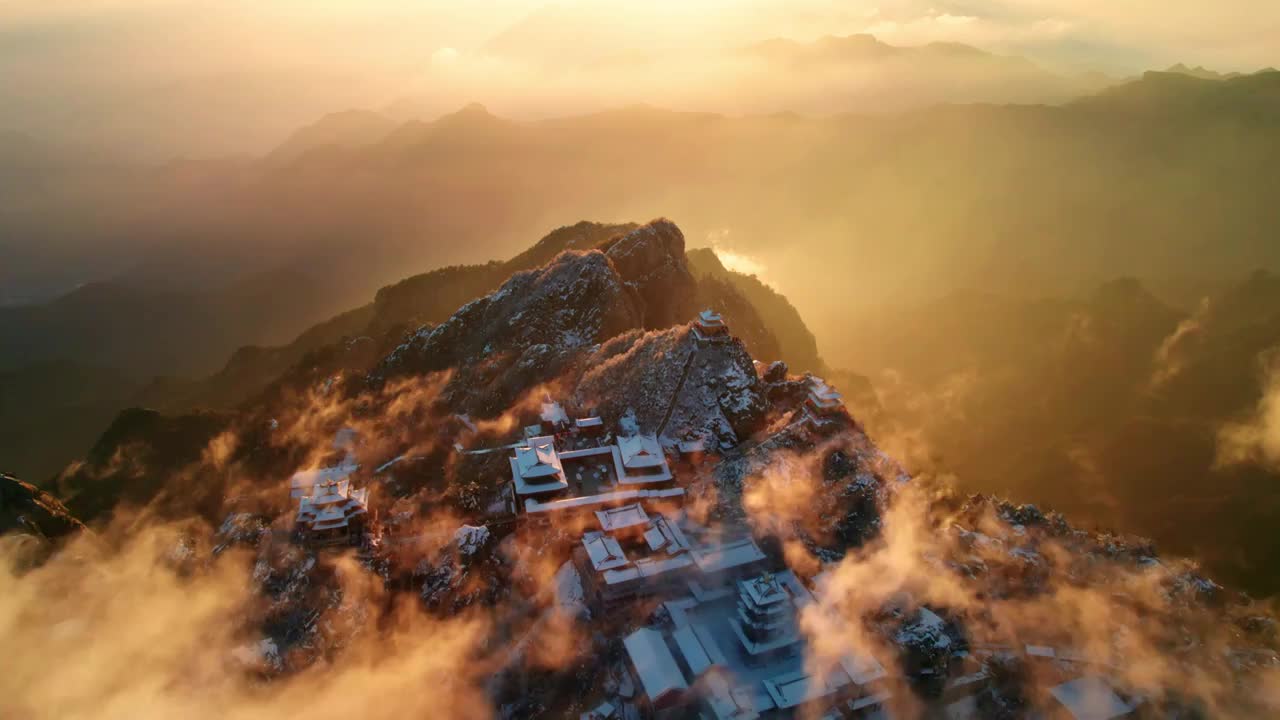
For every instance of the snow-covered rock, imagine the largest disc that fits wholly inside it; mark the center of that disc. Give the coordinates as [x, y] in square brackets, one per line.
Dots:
[470, 539]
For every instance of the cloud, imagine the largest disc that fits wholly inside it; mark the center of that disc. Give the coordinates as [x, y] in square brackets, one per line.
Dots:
[171, 76]
[1008, 585]
[1172, 356]
[130, 632]
[444, 56]
[1255, 440]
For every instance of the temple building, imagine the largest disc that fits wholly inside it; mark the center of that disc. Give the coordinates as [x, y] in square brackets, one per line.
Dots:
[710, 327]
[735, 652]
[765, 622]
[1092, 697]
[304, 483]
[547, 480]
[537, 469]
[643, 460]
[638, 554]
[823, 401]
[692, 451]
[333, 514]
[589, 426]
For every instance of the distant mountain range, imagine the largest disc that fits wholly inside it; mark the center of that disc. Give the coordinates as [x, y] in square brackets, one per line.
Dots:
[399, 185]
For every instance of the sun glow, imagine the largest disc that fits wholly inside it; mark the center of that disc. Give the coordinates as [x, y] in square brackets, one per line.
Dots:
[736, 261]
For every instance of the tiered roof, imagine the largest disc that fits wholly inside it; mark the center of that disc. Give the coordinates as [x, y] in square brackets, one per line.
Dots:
[536, 467]
[727, 681]
[765, 619]
[332, 506]
[710, 319]
[710, 326]
[304, 483]
[823, 396]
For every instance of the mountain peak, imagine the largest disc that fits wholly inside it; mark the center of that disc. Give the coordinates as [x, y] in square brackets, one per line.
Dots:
[1199, 71]
[472, 118]
[471, 112]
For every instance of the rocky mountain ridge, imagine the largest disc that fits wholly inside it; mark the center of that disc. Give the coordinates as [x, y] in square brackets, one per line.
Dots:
[940, 588]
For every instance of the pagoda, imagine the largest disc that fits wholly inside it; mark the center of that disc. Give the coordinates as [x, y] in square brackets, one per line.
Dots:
[710, 327]
[765, 622]
[333, 514]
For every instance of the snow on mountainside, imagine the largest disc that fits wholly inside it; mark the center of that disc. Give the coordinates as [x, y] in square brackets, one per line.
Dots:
[521, 335]
[678, 387]
[959, 600]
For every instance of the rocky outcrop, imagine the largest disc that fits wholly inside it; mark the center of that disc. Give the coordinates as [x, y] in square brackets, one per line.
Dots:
[650, 259]
[533, 328]
[676, 385]
[433, 296]
[524, 334]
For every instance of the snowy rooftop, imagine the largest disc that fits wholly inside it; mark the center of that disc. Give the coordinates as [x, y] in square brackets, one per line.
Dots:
[302, 483]
[667, 548]
[536, 468]
[636, 460]
[589, 422]
[532, 505]
[654, 663]
[650, 567]
[663, 534]
[823, 394]
[332, 506]
[732, 682]
[604, 551]
[641, 451]
[692, 446]
[1091, 698]
[626, 516]
[729, 555]
[539, 458]
[792, 689]
[695, 653]
[710, 318]
[764, 590]
[640, 459]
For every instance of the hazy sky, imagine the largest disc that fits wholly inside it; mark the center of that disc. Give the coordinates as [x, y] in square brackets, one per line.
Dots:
[228, 75]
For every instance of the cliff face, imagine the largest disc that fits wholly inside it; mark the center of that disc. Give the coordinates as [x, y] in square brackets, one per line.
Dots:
[765, 320]
[542, 322]
[651, 260]
[523, 334]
